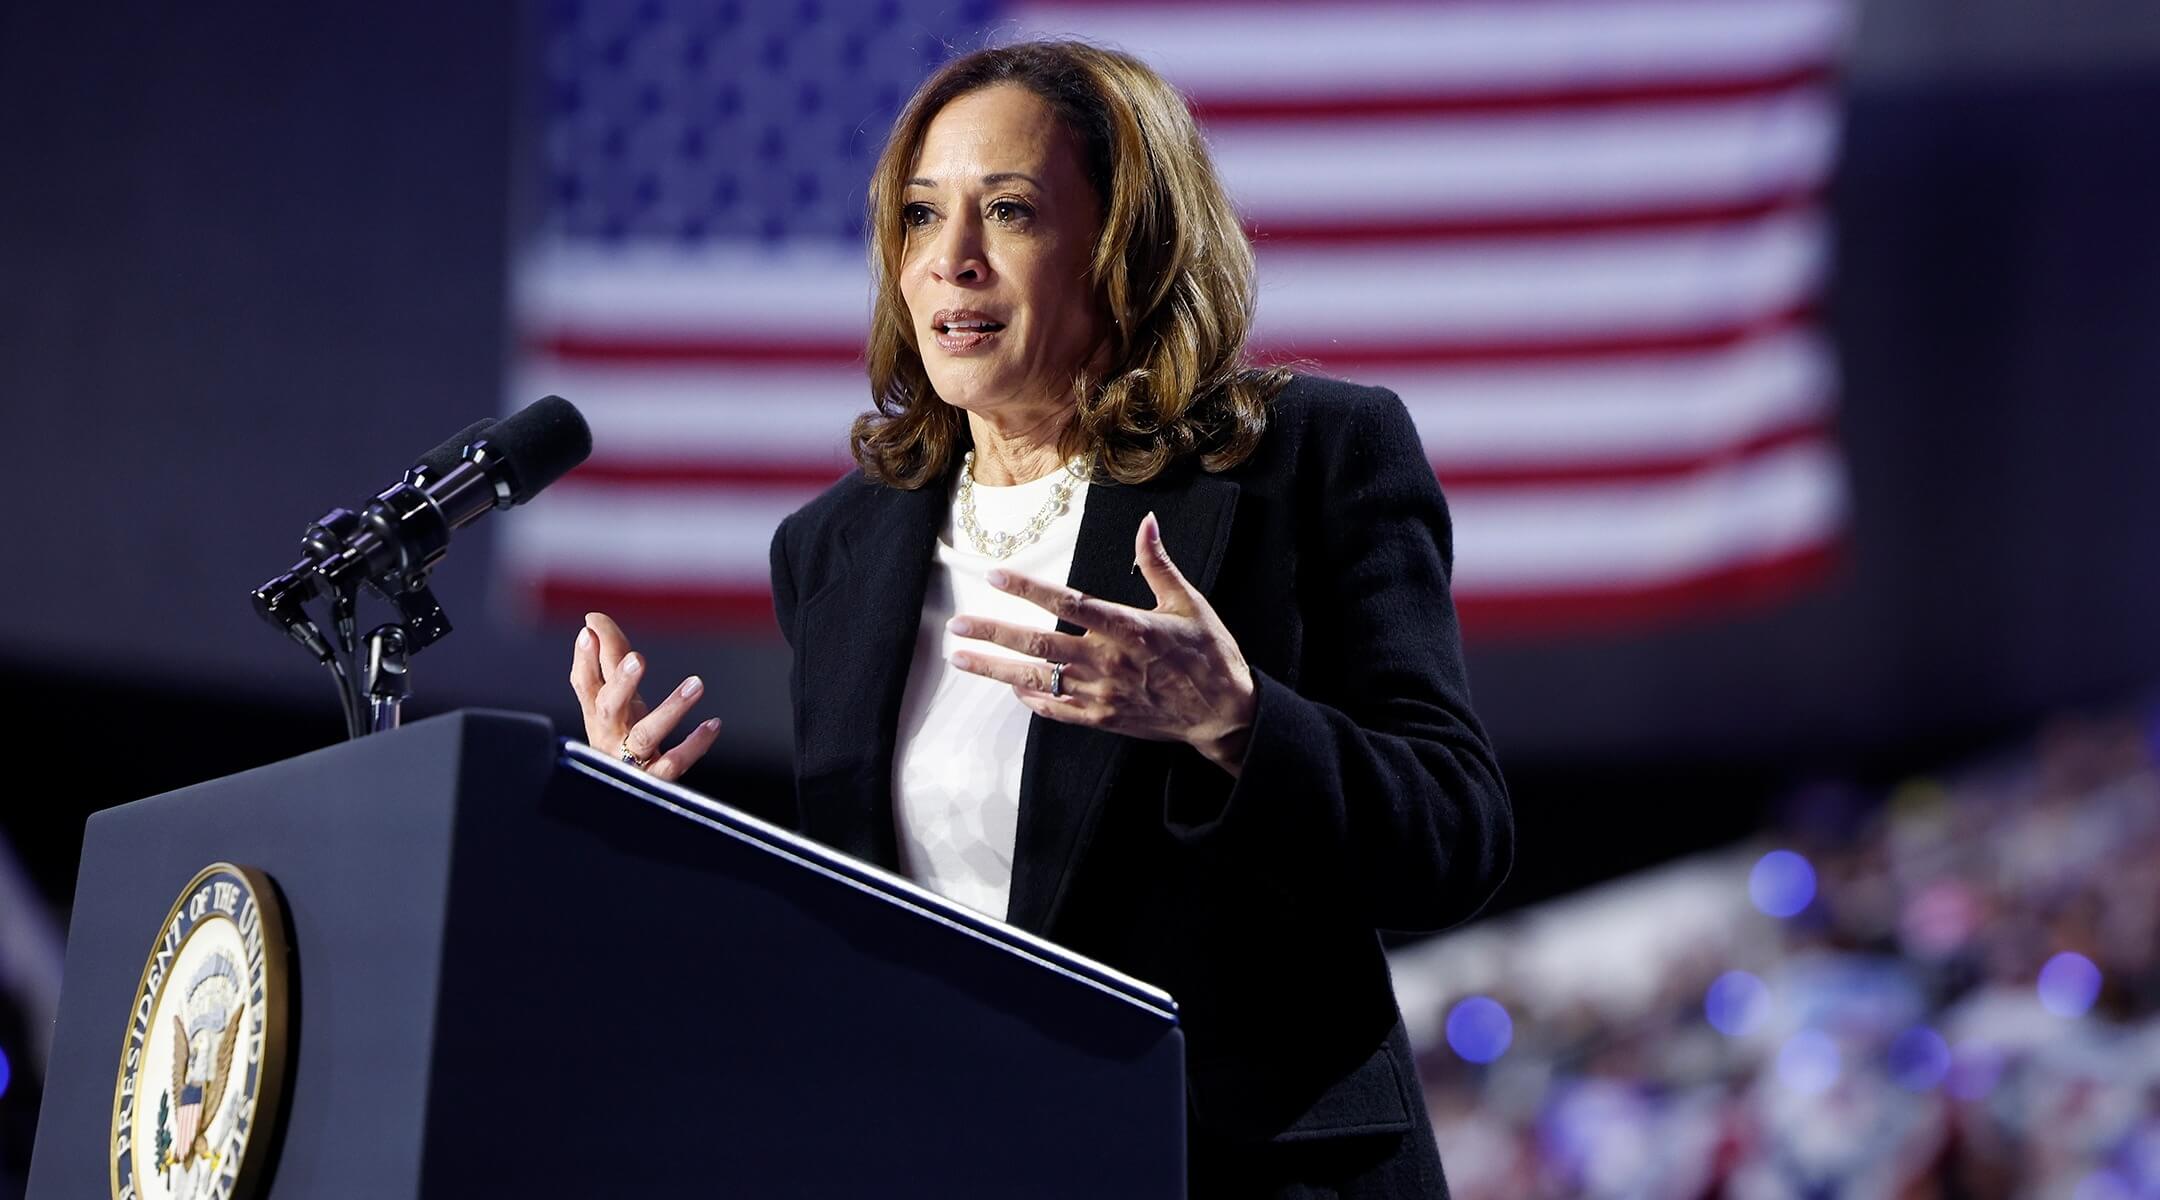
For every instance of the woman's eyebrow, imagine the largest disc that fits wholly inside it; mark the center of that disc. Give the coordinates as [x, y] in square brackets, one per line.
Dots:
[994, 177]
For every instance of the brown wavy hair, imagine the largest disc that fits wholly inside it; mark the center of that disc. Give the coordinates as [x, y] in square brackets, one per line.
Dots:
[1171, 267]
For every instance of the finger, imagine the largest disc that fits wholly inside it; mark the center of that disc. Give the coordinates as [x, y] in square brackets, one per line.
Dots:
[585, 677]
[614, 644]
[672, 764]
[1035, 643]
[1068, 708]
[619, 700]
[651, 730]
[1078, 607]
[1035, 676]
[1172, 592]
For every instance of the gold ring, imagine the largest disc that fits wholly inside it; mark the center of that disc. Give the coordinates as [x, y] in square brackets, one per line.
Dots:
[630, 758]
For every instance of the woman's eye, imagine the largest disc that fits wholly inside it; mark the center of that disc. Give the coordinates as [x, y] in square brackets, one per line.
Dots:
[915, 215]
[1010, 210]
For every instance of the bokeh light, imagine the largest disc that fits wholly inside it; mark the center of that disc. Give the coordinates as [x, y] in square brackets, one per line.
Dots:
[6, 1071]
[2069, 984]
[1808, 1062]
[2105, 1185]
[1919, 1059]
[1974, 1070]
[1782, 883]
[1737, 1003]
[1479, 1029]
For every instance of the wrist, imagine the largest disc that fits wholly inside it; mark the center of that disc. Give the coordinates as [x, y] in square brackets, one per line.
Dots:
[1226, 748]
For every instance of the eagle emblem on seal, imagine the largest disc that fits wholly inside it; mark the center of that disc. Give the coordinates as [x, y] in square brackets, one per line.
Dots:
[204, 1043]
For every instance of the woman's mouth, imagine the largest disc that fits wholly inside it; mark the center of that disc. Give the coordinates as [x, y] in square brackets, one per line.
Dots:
[961, 332]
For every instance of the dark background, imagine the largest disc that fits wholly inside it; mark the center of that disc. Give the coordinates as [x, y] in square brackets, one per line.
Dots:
[254, 260]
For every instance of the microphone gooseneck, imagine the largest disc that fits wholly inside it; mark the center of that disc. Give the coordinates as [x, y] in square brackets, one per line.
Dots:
[391, 544]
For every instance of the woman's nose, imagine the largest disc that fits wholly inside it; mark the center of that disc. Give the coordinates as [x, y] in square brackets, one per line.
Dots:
[958, 256]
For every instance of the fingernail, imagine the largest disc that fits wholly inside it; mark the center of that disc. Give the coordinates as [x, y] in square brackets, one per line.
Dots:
[961, 626]
[1154, 528]
[691, 687]
[963, 661]
[709, 726]
[589, 617]
[584, 638]
[998, 578]
[631, 664]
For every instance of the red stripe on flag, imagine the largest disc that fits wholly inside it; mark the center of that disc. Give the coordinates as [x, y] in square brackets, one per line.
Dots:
[1368, 230]
[1536, 614]
[735, 607]
[1228, 108]
[1462, 477]
[765, 474]
[577, 346]
[743, 608]
[1348, 357]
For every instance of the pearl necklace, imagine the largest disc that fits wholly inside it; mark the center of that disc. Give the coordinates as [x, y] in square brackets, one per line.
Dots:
[1002, 545]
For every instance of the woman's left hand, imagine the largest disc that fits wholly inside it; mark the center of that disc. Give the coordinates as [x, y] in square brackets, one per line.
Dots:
[1171, 674]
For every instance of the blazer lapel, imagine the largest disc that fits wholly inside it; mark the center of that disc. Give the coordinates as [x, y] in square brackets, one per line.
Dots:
[861, 656]
[1068, 768]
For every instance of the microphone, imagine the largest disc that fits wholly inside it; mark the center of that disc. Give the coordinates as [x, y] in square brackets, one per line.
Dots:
[405, 530]
[326, 537]
[279, 601]
[392, 543]
[436, 463]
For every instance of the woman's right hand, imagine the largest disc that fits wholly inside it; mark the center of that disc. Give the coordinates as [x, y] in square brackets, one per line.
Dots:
[605, 673]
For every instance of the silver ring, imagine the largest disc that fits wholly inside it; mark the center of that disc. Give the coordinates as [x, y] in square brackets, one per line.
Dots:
[1057, 679]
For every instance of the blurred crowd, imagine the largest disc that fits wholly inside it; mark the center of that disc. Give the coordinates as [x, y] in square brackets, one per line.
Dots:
[1952, 990]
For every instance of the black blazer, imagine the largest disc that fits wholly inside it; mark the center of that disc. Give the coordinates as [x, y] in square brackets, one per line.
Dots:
[1369, 798]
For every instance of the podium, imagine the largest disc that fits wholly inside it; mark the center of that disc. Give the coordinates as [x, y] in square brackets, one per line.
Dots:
[520, 969]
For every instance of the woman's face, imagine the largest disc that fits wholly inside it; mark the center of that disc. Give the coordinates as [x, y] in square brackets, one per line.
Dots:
[1001, 224]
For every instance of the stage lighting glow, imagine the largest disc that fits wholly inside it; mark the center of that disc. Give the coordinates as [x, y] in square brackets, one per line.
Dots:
[1808, 1062]
[1919, 1059]
[1782, 883]
[7, 1072]
[1974, 1069]
[2104, 1185]
[1479, 1029]
[1737, 1003]
[2069, 984]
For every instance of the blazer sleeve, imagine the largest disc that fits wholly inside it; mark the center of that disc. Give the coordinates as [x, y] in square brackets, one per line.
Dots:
[783, 583]
[1370, 787]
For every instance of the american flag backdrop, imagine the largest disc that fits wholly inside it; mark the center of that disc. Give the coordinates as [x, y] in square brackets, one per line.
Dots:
[1582, 239]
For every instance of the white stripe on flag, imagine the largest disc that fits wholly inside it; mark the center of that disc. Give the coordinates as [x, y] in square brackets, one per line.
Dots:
[1598, 285]
[1611, 535]
[1321, 47]
[809, 292]
[1539, 287]
[789, 415]
[1526, 164]
[1630, 409]
[651, 535]
[1506, 541]
[1570, 413]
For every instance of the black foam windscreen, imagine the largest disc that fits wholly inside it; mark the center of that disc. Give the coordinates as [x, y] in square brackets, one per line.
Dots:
[539, 444]
[436, 463]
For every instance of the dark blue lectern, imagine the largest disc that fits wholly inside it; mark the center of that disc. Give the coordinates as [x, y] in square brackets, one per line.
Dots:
[521, 970]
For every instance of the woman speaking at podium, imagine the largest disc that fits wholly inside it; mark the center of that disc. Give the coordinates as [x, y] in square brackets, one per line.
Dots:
[1120, 640]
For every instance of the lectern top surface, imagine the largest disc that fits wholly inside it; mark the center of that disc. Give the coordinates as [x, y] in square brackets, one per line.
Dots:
[865, 877]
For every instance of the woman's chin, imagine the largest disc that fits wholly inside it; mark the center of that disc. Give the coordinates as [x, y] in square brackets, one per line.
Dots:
[973, 390]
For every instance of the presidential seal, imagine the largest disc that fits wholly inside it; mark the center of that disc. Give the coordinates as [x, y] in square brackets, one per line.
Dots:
[202, 1069]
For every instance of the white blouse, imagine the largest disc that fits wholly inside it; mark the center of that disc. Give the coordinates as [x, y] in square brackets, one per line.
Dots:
[962, 738]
